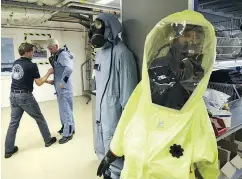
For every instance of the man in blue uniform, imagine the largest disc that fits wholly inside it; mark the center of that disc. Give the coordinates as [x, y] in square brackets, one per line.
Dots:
[62, 62]
[24, 73]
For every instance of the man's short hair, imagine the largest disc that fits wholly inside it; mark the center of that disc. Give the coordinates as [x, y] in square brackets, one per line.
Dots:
[25, 47]
[52, 42]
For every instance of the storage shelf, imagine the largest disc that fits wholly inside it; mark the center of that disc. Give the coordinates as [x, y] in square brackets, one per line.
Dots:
[225, 64]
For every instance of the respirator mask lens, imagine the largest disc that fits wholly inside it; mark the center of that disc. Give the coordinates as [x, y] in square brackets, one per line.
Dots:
[96, 33]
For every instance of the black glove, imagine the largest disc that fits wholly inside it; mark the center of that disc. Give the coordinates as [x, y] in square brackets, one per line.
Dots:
[104, 165]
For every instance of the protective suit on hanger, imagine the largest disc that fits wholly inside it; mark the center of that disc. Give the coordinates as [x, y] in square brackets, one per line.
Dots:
[165, 131]
[116, 78]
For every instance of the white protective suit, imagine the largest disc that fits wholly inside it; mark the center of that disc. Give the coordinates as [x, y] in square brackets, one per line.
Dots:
[116, 78]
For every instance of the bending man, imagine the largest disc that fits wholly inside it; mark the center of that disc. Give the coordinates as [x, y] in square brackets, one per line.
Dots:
[62, 62]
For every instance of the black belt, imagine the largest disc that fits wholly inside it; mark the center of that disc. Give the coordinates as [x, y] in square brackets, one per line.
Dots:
[21, 91]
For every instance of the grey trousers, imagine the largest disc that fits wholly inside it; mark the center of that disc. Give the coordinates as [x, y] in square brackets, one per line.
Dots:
[65, 103]
[21, 102]
[102, 146]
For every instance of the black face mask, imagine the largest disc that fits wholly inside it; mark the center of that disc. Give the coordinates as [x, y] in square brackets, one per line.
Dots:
[96, 33]
[191, 67]
[184, 67]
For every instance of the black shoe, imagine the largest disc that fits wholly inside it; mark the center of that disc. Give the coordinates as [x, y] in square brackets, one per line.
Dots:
[65, 139]
[61, 130]
[8, 155]
[52, 141]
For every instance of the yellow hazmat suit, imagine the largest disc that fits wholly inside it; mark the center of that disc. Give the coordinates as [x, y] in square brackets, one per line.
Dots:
[159, 142]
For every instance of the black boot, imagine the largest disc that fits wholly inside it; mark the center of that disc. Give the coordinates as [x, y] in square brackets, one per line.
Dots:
[52, 141]
[61, 130]
[65, 139]
[8, 155]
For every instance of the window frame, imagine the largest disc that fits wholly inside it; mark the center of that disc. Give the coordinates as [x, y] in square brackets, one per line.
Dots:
[9, 73]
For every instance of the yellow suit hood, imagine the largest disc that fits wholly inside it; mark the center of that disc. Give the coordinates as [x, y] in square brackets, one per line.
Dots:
[163, 143]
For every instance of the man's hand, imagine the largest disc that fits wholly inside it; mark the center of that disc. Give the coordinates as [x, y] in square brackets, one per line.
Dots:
[104, 165]
[51, 82]
[62, 85]
[51, 71]
[44, 79]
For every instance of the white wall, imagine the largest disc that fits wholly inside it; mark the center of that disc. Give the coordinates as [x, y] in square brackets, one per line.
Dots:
[74, 41]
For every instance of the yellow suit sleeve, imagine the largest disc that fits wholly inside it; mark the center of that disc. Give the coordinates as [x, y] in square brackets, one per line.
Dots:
[116, 145]
[205, 153]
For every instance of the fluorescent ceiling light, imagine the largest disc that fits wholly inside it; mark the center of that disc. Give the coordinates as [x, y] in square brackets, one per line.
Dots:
[104, 1]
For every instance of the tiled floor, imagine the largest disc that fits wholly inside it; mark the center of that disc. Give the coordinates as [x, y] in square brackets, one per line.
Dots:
[73, 160]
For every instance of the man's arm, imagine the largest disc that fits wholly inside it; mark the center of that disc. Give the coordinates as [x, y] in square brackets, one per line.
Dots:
[42, 80]
[51, 82]
[67, 62]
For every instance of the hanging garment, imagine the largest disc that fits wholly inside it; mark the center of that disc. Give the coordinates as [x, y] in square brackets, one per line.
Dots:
[162, 140]
[116, 78]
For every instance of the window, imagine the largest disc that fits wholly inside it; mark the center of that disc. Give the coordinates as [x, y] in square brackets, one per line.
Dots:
[7, 54]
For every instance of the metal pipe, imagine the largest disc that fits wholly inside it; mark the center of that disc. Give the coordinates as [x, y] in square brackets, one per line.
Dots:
[217, 13]
[114, 10]
[234, 10]
[56, 20]
[79, 16]
[229, 6]
[41, 28]
[208, 2]
[91, 5]
[84, 22]
[218, 4]
[62, 18]
[51, 3]
[15, 4]
[67, 3]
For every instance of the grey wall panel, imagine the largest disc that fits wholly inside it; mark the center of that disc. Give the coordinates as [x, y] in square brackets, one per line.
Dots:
[140, 16]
